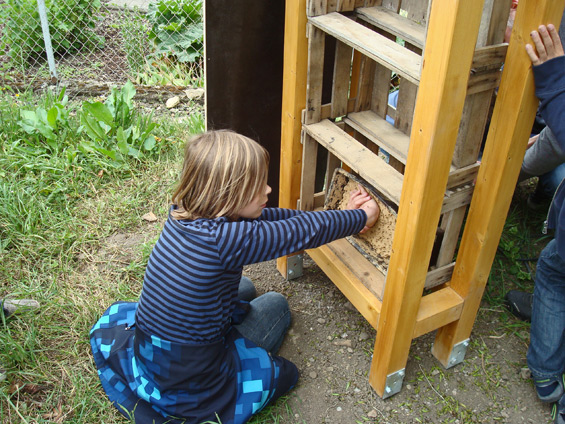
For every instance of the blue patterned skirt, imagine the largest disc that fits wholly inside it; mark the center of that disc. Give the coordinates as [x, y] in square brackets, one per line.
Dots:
[152, 380]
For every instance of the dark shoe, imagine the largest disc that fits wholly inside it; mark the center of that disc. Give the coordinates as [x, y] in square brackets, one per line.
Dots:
[519, 303]
[549, 389]
[538, 201]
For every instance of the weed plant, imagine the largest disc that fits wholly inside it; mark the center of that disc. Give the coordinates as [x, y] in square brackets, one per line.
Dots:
[71, 25]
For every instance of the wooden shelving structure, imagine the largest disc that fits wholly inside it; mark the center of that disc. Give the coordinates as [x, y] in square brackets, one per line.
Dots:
[445, 58]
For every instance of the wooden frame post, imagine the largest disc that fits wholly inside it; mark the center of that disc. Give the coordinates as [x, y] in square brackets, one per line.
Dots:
[506, 143]
[293, 102]
[452, 34]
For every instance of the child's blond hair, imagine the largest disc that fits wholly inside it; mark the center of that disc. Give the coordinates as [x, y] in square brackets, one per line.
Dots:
[222, 173]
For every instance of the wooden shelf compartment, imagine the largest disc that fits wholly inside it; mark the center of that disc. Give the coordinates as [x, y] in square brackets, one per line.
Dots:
[391, 22]
[386, 179]
[396, 143]
[377, 47]
[380, 132]
[363, 285]
[359, 158]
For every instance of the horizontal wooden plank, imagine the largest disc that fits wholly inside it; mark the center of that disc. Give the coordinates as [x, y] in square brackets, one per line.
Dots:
[361, 160]
[483, 81]
[393, 23]
[486, 68]
[380, 132]
[458, 198]
[439, 276]
[436, 310]
[463, 175]
[373, 45]
[349, 271]
[358, 280]
[489, 57]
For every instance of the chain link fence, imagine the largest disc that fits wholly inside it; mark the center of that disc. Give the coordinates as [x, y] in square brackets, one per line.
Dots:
[101, 43]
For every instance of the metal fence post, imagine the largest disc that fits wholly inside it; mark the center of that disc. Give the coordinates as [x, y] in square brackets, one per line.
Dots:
[47, 37]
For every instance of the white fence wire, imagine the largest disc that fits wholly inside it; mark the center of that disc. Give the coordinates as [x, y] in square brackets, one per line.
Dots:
[149, 42]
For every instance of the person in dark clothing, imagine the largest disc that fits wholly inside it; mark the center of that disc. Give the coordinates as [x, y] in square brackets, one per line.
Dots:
[546, 353]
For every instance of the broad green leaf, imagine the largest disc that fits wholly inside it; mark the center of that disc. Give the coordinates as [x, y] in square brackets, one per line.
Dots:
[134, 152]
[52, 117]
[149, 143]
[99, 111]
[123, 146]
[93, 128]
[29, 115]
[110, 153]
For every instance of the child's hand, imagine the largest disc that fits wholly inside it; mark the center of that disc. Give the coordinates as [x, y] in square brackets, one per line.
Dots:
[532, 141]
[357, 198]
[547, 45]
[373, 211]
[360, 199]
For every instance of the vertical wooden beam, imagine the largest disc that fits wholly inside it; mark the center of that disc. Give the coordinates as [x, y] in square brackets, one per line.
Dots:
[473, 123]
[452, 33]
[340, 86]
[365, 88]
[293, 102]
[317, 7]
[506, 143]
[315, 78]
[309, 166]
[407, 94]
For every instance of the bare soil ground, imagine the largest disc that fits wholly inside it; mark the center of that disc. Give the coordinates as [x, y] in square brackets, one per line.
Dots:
[332, 344]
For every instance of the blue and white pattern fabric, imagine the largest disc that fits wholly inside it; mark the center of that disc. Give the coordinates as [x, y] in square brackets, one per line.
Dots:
[150, 380]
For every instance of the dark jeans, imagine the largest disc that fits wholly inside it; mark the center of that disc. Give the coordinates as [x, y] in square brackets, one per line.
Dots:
[546, 354]
[268, 320]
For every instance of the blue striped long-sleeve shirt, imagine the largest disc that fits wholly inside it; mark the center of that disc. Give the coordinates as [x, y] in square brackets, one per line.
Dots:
[192, 278]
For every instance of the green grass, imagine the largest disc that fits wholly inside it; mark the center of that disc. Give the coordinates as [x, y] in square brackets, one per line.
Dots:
[58, 209]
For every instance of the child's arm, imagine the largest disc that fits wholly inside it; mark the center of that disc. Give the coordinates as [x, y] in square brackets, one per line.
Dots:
[246, 242]
[277, 214]
[359, 199]
[548, 62]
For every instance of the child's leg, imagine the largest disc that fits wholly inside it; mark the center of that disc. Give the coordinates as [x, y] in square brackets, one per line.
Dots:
[267, 321]
[546, 356]
[246, 290]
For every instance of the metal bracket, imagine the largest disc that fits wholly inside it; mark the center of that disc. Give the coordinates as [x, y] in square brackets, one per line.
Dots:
[394, 383]
[294, 266]
[458, 353]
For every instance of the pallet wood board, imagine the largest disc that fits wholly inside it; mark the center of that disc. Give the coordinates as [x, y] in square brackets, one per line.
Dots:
[361, 160]
[375, 46]
[380, 132]
[393, 23]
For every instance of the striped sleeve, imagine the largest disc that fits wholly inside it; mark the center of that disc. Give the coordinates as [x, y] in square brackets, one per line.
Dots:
[242, 243]
[277, 214]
